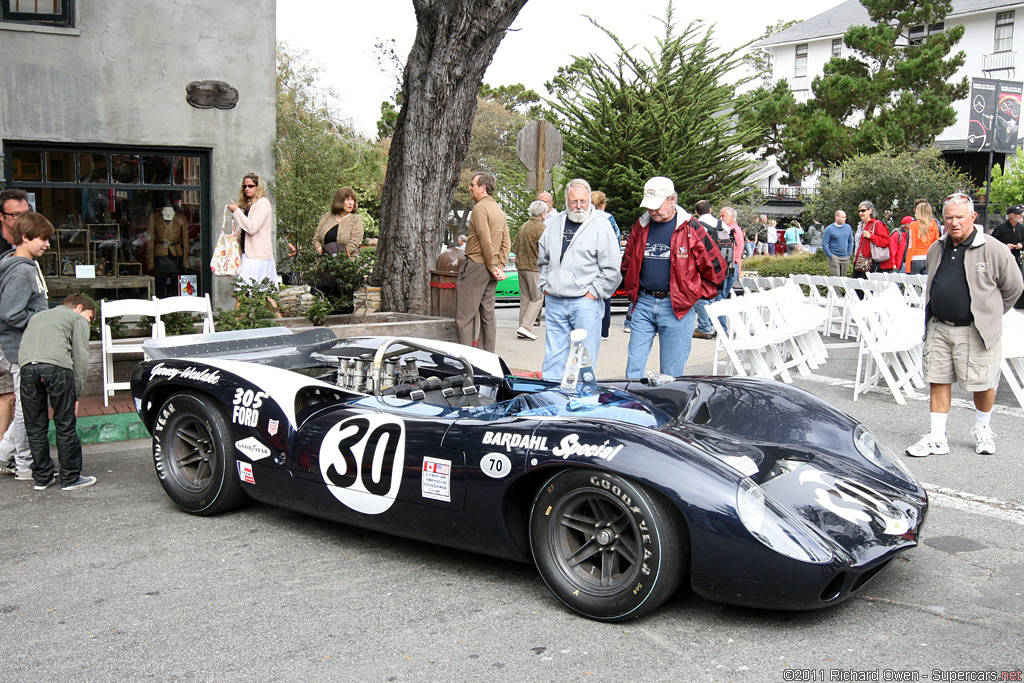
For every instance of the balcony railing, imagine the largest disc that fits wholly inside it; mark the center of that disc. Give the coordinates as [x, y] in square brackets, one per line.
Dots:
[789, 192]
[1000, 61]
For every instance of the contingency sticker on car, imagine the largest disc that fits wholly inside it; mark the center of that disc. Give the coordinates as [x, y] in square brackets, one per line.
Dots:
[437, 479]
[361, 461]
[245, 472]
[252, 448]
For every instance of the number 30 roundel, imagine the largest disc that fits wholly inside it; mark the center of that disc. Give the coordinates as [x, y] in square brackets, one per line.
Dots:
[361, 462]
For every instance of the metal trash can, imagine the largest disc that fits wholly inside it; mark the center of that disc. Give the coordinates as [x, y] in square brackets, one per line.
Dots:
[442, 282]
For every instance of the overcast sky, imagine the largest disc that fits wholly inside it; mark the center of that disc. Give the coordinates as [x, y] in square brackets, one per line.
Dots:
[340, 37]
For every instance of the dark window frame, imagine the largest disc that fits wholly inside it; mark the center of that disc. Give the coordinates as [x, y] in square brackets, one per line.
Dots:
[66, 18]
[1004, 21]
[800, 60]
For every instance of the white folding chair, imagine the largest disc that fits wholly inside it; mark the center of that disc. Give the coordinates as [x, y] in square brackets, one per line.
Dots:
[913, 289]
[184, 304]
[1012, 364]
[792, 313]
[749, 349]
[842, 293]
[792, 326]
[111, 348]
[749, 284]
[890, 346]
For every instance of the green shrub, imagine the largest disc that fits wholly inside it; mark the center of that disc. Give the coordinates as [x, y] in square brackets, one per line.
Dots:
[320, 310]
[337, 278]
[254, 309]
[786, 265]
[180, 322]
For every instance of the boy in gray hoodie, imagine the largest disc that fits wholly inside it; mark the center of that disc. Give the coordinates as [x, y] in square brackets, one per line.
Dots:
[22, 295]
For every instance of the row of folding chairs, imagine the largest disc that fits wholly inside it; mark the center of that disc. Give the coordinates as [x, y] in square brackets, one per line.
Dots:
[766, 333]
[891, 343]
[840, 293]
[759, 284]
[154, 308]
[912, 286]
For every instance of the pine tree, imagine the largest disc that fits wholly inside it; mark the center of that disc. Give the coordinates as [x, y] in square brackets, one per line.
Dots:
[663, 113]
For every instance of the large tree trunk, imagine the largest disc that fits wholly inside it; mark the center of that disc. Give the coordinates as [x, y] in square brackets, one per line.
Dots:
[455, 40]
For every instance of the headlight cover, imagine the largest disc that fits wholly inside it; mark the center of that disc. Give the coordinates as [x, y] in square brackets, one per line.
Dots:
[879, 455]
[774, 526]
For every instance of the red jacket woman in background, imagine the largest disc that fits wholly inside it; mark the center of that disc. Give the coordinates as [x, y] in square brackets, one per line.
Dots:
[872, 231]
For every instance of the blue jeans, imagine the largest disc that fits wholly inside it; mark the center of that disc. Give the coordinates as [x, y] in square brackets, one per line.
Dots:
[43, 383]
[655, 316]
[562, 316]
[703, 319]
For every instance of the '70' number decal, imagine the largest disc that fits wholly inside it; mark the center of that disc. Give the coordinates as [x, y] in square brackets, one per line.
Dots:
[361, 461]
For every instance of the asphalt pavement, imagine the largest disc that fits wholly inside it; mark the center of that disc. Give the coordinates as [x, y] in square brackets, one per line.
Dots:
[113, 583]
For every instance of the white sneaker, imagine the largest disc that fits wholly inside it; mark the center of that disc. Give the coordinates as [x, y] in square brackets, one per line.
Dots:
[524, 333]
[984, 440]
[929, 445]
[23, 475]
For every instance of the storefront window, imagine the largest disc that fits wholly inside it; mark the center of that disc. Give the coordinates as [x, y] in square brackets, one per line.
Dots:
[125, 168]
[60, 167]
[134, 218]
[92, 168]
[157, 169]
[26, 166]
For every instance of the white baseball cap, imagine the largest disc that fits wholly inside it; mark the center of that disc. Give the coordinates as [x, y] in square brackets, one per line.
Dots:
[656, 191]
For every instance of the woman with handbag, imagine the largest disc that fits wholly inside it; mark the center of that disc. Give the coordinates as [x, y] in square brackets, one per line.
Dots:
[254, 215]
[340, 229]
[873, 245]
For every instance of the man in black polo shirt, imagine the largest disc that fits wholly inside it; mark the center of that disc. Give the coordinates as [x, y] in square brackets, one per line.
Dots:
[972, 281]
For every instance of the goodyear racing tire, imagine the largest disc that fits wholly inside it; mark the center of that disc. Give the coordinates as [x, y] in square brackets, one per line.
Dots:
[605, 547]
[194, 454]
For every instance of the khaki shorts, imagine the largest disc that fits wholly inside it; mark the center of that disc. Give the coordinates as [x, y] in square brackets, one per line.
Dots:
[959, 353]
[6, 379]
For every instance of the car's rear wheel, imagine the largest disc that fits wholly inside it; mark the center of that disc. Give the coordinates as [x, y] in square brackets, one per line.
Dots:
[194, 455]
[606, 547]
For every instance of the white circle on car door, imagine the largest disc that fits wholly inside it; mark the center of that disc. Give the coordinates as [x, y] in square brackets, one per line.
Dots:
[496, 465]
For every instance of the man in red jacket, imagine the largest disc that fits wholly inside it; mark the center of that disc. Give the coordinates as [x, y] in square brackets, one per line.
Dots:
[670, 262]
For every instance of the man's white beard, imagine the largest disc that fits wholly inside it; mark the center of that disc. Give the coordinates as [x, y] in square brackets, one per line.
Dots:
[579, 215]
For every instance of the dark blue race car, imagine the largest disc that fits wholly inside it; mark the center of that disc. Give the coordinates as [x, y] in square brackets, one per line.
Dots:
[753, 492]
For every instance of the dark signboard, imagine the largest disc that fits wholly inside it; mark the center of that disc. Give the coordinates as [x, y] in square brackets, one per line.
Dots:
[994, 115]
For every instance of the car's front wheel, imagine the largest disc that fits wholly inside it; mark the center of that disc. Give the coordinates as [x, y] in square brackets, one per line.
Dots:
[194, 455]
[606, 547]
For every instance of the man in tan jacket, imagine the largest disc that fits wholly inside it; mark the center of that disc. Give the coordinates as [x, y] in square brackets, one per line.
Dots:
[530, 297]
[487, 250]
